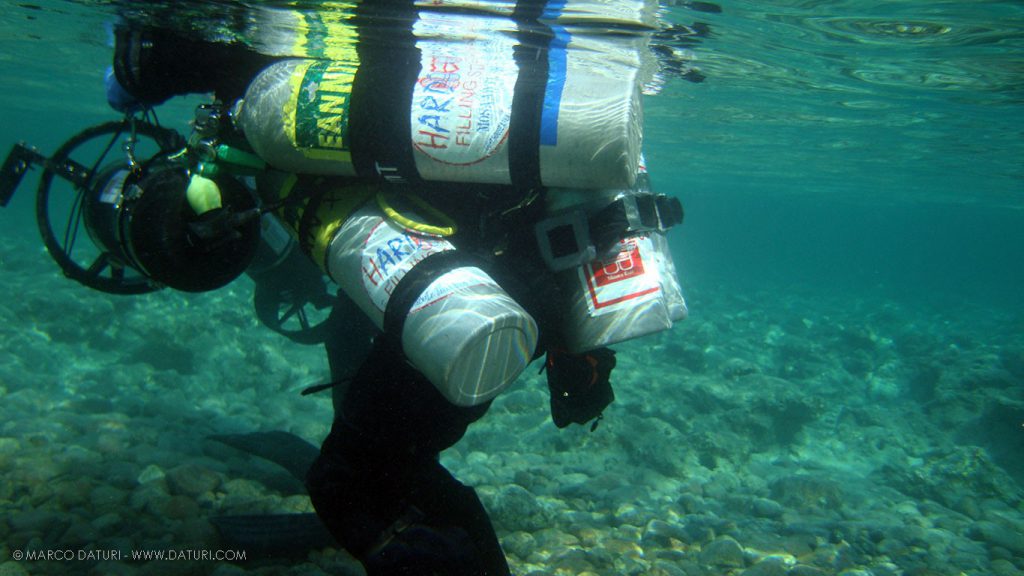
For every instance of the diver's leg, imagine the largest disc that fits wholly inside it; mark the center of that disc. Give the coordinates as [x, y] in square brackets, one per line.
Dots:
[379, 488]
[348, 341]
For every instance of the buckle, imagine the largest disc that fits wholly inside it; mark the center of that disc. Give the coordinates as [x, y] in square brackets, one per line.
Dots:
[564, 240]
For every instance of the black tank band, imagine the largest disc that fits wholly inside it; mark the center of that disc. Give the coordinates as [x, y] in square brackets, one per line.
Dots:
[531, 56]
[389, 65]
[414, 283]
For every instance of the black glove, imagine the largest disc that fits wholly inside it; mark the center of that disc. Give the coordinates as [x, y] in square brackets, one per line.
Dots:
[580, 386]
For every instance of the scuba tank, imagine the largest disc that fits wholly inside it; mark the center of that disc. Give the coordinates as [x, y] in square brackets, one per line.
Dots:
[611, 258]
[454, 323]
[465, 101]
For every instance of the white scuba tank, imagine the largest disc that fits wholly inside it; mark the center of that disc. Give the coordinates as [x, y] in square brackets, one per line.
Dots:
[463, 332]
[296, 113]
[630, 292]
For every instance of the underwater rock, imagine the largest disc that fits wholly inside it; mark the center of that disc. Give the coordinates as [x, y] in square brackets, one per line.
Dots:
[520, 543]
[999, 430]
[734, 368]
[629, 565]
[723, 552]
[590, 536]
[65, 493]
[104, 497]
[195, 532]
[891, 547]
[1001, 567]
[690, 503]
[947, 477]
[240, 494]
[661, 533]
[36, 469]
[805, 570]
[12, 569]
[571, 561]
[515, 509]
[106, 521]
[621, 548]
[1004, 536]
[178, 507]
[80, 535]
[886, 569]
[985, 372]
[674, 568]
[551, 538]
[150, 473]
[148, 497]
[654, 444]
[922, 381]
[699, 529]
[226, 569]
[630, 514]
[969, 507]
[162, 353]
[967, 555]
[33, 520]
[1012, 359]
[807, 493]
[766, 508]
[9, 447]
[191, 480]
[688, 355]
[770, 566]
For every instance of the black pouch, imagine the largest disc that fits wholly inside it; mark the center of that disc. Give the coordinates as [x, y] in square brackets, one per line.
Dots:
[580, 386]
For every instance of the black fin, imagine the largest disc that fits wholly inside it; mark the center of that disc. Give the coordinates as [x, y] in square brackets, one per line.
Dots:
[285, 449]
[265, 535]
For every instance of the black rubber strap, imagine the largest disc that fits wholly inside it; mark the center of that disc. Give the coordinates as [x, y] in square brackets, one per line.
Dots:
[414, 283]
[528, 10]
[531, 54]
[389, 65]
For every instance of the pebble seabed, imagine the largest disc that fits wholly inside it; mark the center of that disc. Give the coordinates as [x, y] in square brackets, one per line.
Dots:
[772, 433]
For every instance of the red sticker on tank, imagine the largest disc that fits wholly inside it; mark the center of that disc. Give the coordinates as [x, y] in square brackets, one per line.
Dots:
[620, 280]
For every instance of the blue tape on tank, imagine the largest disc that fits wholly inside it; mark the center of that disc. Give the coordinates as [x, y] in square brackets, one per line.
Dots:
[553, 9]
[556, 84]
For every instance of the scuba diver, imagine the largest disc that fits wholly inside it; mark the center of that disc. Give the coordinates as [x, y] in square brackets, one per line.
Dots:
[475, 217]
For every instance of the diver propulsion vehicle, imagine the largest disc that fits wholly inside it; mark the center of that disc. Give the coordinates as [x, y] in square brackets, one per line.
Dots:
[134, 211]
[124, 182]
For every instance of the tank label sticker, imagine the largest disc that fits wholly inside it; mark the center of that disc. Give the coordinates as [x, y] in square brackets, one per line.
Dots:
[321, 109]
[448, 284]
[389, 252]
[462, 99]
[621, 281]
